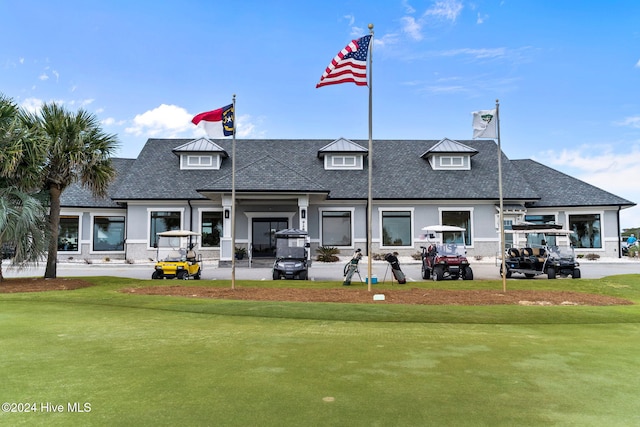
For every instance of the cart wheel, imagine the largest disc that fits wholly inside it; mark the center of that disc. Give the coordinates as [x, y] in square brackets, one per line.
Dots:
[198, 274]
[276, 275]
[155, 276]
[438, 273]
[182, 275]
[551, 273]
[576, 273]
[304, 275]
[467, 273]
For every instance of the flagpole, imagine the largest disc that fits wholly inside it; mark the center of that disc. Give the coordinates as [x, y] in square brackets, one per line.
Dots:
[233, 199]
[502, 242]
[370, 165]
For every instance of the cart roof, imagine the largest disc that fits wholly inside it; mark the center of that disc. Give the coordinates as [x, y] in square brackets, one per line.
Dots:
[292, 232]
[530, 228]
[178, 233]
[442, 228]
[547, 231]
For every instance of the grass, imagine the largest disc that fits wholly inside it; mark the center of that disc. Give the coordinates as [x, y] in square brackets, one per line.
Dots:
[149, 360]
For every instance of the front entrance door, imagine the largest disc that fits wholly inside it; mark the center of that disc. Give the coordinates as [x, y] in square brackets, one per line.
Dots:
[263, 236]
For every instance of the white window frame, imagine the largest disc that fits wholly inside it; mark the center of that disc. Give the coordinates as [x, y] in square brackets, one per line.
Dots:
[161, 209]
[602, 247]
[411, 226]
[93, 216]
[337, 209]
[79, 216]
[343, 161]
[461, 209]
[195, 161]
[454, 162]
[199, 226]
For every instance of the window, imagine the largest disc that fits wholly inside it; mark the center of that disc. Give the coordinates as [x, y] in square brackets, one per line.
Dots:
[451, 161]
[536, 238]
[211, 229]
[458, 219]
[342, 161]
[108, 233]
[69, 233]
[586, 230]
[163, 221]
[396, 228]
[336, 228]
[199, 161]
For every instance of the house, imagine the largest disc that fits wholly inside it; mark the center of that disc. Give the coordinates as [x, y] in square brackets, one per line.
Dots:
[322, 186]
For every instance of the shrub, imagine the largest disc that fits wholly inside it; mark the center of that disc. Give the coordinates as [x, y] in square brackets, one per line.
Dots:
[417, 255]
[327, 254]
[592, 257]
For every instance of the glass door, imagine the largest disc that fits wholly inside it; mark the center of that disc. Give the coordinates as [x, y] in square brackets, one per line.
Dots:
[263, 236]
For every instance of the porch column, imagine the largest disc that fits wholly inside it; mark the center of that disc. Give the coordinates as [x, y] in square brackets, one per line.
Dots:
[226, 251]
[303, 212]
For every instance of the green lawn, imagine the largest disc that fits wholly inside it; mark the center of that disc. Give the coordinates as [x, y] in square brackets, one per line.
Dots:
[147, 360]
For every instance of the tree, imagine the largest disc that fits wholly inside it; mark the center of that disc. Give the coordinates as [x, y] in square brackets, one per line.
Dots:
[22, 213]
[77, 151]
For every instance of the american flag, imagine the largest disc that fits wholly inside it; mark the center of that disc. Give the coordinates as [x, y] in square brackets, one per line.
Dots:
[349, 65]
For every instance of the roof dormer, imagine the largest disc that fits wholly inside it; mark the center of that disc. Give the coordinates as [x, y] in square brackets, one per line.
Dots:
[343, 154]
[200, 154]
[448, 154]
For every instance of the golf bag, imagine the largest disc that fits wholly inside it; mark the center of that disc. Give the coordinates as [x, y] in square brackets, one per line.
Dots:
[392, 259]
[351, 267]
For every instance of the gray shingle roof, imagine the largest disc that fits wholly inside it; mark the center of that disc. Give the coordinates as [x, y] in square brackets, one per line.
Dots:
[557, 189]
[76, 195]
[399, 172]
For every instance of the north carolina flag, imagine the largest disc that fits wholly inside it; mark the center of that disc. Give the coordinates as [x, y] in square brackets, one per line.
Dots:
[207, 119]
[485, 124]
[349, 65]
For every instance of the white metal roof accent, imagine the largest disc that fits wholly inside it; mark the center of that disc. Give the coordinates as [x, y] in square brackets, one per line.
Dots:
[449, 146]
[342, 145]
[200, 145]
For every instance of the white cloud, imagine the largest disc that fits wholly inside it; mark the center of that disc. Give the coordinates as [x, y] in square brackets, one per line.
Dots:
[32, 105]
[633, 122]
[411, 27]
[638, 64]
[607, 170]
[447, 9]
[165, 121]
[43, 77]
[350, 18]
[481, 18]
[171, 121]
[407, 7]
[477, 53]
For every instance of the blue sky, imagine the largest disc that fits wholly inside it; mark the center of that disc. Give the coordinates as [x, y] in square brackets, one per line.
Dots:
[567, 74]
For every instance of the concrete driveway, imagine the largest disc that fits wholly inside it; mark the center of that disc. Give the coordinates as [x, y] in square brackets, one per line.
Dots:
[485, 269]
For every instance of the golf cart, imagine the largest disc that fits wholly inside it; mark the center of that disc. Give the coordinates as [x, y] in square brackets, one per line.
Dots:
[538, 256]
[292, 255]
[176, 258]
[445, 257]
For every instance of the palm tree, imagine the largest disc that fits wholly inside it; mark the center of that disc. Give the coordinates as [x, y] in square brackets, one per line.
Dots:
[22, 215]
[78, 151]
[22, 225]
